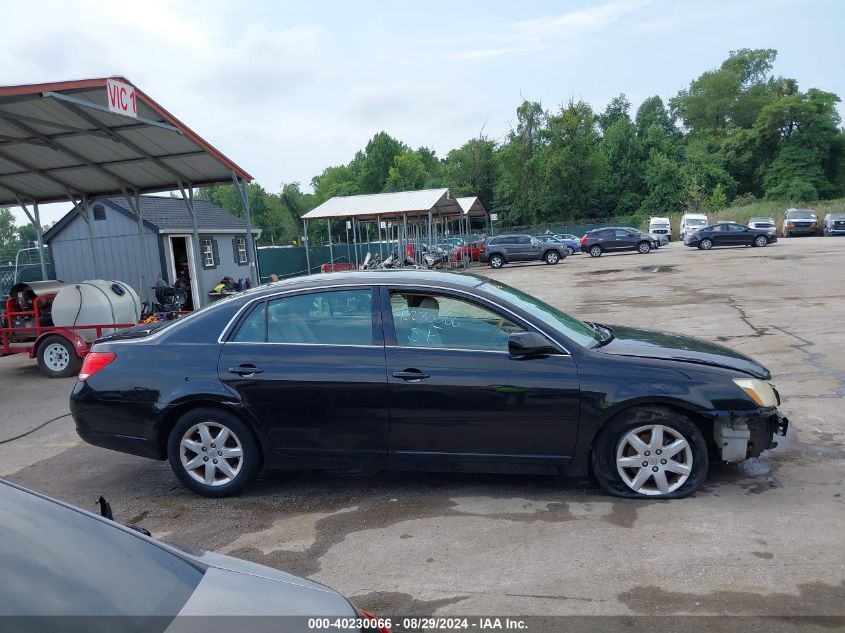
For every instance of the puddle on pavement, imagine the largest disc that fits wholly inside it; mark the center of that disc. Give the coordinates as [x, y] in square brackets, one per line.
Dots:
[657, 269]
[788, 258]
[603, 272]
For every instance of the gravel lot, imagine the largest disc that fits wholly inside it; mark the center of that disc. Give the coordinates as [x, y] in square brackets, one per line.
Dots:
[763, 537]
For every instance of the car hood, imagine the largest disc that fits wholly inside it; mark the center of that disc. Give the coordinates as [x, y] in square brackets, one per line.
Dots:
[640, 343]
[232, 586]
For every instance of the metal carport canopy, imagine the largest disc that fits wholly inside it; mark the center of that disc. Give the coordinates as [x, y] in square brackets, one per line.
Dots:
[65, 141]
[370, 206]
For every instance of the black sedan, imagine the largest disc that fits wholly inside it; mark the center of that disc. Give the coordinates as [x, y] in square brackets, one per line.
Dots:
[65, 569]
[729, 234]
[420, 370]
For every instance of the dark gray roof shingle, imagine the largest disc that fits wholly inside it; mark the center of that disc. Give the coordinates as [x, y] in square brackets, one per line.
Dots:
[171, 213]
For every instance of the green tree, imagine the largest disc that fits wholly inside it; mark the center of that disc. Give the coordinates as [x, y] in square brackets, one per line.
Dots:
[8, 230]
[571, 164]
[375, 163]
[623, 151]
[617, 109]
[470, 170]
[407, 173]
[27, 233]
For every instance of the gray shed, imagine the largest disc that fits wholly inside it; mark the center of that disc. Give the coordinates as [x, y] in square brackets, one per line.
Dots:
[166, 245]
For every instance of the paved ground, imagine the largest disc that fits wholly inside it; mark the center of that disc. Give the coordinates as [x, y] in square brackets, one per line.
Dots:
[764, 537]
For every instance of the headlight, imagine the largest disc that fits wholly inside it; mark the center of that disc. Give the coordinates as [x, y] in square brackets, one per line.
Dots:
[759, 391]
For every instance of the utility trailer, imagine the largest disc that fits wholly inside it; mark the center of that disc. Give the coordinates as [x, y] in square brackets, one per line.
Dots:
[27, 328]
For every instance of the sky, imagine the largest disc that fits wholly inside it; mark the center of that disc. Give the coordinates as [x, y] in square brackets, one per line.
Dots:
[288, 88]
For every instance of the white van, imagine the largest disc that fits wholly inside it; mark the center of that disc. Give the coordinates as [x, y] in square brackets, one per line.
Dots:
[690, 221]
[660, 226]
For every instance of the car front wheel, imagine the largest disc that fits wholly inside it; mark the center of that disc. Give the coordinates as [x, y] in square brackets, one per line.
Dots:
[595, 251]
[497, 261]
[552, 257]
[570, 251]
[705, 244]
[761, 240]
[650, 452]
[213, 452]
[643, 248]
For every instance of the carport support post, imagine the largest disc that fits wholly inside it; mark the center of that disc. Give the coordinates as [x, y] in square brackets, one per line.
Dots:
[305, 239]
[241, 187]
[331, 251]
[87, 217]
[35, 219]
[135, 206]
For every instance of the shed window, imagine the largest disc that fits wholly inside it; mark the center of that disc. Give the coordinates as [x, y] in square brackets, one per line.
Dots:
[99, 212]
[240, 243]
[207, 253]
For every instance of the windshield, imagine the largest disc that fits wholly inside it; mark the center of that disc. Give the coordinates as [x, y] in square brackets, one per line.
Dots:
[575, 330]
[801, 215]
[837, 216]
[696, 222]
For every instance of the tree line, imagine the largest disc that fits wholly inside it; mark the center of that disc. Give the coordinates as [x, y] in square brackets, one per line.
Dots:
[736, 133]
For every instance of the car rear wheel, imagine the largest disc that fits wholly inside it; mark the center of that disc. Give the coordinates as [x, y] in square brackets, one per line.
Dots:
[706, 244]
[595, 251]
[57, 358]
[497, 261]
[552, 257]
[650, 453]
[761, 240]
[213, 453]
[643, 248]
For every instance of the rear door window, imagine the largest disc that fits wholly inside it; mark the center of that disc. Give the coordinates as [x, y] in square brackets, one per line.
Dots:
[336, 317]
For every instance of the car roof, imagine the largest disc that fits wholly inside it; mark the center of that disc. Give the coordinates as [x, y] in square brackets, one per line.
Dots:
[386, 276]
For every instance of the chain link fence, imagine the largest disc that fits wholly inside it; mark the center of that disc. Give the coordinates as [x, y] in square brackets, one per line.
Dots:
[21, 263]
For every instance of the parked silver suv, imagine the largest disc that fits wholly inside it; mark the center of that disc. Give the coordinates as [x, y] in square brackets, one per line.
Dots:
[834, 224]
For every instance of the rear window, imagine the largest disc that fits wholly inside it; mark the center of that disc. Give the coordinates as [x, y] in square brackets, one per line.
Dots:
[801, 215]
[61, 562]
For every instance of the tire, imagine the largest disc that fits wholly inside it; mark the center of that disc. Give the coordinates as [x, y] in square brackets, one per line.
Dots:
[496, 261]
[706, 244]
[551, 257]
[570, 251]
[643, 248]
[242, 467]
[595, 251]
[761, 240]
[57, 358]
[678, 474]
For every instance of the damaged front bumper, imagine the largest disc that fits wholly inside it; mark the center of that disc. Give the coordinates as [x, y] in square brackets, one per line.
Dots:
[741, 435]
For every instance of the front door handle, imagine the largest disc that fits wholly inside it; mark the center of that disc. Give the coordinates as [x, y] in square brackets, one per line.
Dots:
[411, 375]
[245, 370]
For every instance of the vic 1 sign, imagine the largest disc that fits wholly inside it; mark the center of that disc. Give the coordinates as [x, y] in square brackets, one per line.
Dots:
[121, 98]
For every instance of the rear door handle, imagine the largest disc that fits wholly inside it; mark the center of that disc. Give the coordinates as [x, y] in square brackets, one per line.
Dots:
[410, 375]
[245, 370]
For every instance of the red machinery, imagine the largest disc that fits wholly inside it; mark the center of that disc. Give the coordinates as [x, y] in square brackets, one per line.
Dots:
[27, 327]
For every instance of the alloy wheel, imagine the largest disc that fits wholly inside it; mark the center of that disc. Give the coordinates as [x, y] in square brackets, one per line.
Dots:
[761, 241]
[552, 258]
[644, 248]
[595, 251]
[654, 459]
[705, 244]
[211, 453]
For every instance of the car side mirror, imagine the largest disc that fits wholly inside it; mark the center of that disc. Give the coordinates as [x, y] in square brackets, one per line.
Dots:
[529, 345]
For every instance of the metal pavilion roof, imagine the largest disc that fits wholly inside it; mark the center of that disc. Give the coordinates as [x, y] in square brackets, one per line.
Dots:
[438, 201]
[472, 206]
[60, 140]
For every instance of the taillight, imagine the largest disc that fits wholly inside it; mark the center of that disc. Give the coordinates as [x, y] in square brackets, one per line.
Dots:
[481, 249]
[584, 240]
[94, 362]
[377, 623]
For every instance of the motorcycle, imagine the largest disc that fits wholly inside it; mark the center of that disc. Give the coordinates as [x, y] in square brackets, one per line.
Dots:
[435, 256]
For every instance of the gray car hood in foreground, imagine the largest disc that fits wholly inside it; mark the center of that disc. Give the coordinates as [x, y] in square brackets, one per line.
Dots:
[630, 341]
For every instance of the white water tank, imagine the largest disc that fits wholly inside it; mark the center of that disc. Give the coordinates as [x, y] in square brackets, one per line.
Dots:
[96, 302]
